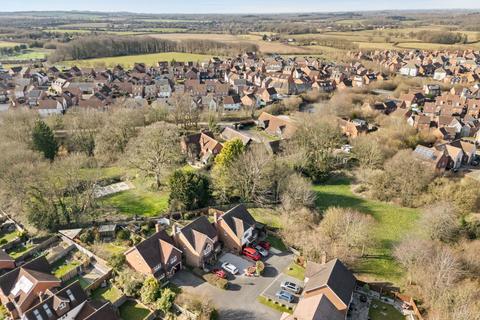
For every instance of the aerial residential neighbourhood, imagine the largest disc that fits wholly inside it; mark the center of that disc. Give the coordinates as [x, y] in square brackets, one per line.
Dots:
[204, 160]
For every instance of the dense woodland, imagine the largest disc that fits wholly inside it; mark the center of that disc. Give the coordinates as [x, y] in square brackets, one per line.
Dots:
[111, 46]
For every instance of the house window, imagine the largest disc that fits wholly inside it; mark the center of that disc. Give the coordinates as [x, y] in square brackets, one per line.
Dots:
[37, 314]
[157, 267]
[208, 249]
[47, 310]
[173, 260]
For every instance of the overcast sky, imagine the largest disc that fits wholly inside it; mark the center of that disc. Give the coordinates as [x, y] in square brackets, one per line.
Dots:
[229, 6]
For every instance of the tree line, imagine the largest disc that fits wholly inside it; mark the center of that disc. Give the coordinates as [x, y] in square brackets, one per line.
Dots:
[111, 46]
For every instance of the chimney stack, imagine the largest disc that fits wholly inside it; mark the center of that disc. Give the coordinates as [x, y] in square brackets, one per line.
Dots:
[174, 229]
[324, 257]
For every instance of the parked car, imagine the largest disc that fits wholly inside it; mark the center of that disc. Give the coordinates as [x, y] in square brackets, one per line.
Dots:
[229, 268]
[261, 250]
[219, 273]
[251, 253]
[265, 245]
[284, 295]
[290, 286]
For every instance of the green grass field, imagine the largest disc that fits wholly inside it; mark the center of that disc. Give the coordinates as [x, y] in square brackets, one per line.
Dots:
[18, 251]
[82, 281]
[296, 271]
[64, 266]
[138, 202]
[384, 311]
[111, 294]
[392, 223]
[7, 237]
[266, 216]
[132, 310]
[148, 59]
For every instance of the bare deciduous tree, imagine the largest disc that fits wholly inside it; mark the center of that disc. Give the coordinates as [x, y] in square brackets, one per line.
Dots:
[155, 151]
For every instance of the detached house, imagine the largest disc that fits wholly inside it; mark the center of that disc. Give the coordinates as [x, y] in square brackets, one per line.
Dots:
[201, 146]
[69, 303]
[198, 241]
[282, 127]
[21, 288]
[236, 228]
[156, 256]
[327, 294]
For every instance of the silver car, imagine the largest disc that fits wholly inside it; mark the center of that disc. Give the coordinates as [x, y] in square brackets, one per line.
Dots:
[229, 268]
[290, 286]
[263, 252]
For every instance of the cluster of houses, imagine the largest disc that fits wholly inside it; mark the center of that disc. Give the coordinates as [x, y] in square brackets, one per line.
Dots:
[246, 81]
[452, 117]
[196, 244]
[40, 285]
[447, 66]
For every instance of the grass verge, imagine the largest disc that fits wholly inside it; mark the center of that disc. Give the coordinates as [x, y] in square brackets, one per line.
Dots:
[296, 271]
[273, 305]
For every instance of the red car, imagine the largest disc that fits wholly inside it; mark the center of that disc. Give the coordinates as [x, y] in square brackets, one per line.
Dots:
[251, 253]
[219, 273]
[265, 245]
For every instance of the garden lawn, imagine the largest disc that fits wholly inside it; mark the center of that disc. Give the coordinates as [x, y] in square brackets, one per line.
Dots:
[83, 282]
[106, 250]
[266, 216]
[7, 237]
[384, 311]
[138, 202]
[64, 266]
[148, 59]
[276, 242]
[132, 310]
[20, 250]
[392, 224]
[111, 294]
[296, 271]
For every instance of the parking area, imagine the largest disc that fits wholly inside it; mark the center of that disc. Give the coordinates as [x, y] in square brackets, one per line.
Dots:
[240, 300]
[238, 261]
[275, 286]
[359, 306]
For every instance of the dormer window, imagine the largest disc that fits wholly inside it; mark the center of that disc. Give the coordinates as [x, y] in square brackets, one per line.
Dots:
[47, 310]
[37, 314]
[70, 295]
[157, 267]
[208, 249]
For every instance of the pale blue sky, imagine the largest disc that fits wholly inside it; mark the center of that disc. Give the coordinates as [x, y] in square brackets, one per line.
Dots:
[228, 6]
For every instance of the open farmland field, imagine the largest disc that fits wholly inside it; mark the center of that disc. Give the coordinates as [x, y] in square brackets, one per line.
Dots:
[264, 46]
[7, 44]
[129, 61]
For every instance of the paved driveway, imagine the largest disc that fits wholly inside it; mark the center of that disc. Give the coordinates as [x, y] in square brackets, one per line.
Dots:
[274, 287]
[239, 262]
[239, 302]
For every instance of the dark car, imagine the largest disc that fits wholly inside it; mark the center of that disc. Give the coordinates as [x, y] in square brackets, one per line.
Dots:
[265, 245]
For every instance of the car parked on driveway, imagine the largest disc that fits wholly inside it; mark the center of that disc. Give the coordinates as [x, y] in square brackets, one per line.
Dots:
[251, 253]
[284, 295]
[290, 286]
[265, 245]
[229, 268]
[261, 250]
[219, 273]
